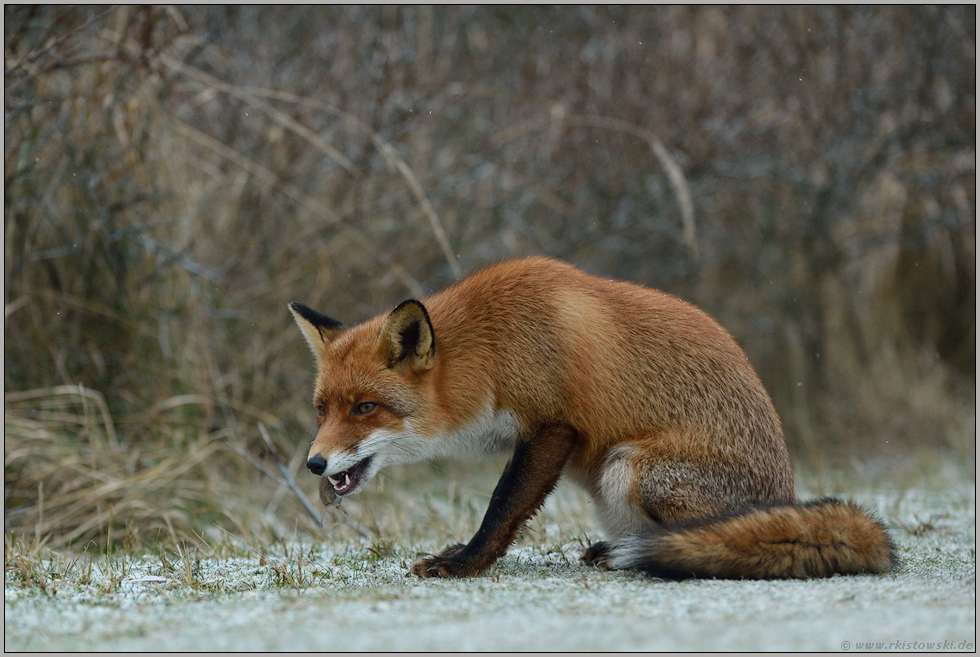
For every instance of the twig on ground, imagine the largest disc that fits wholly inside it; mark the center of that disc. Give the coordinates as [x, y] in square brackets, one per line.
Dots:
[256, 464]
[289, 481]
[288, 476]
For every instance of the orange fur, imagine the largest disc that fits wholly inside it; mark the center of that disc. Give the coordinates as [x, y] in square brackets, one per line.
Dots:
[818, 539]
[640, 397]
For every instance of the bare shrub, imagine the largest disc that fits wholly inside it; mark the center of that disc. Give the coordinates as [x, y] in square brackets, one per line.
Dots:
[173, 177]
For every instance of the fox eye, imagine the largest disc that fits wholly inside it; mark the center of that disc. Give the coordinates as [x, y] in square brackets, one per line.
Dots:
[364, 408]
[320, 411]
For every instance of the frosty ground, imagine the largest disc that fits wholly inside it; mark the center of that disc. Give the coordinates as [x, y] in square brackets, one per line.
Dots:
[334, 595]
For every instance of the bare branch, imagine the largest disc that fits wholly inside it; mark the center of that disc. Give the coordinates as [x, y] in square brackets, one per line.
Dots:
[674, 172]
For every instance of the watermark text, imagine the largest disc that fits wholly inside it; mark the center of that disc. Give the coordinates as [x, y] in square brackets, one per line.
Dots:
[908, 645]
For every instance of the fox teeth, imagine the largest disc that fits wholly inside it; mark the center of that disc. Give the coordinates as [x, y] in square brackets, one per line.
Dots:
[346, 480]
[333, 480]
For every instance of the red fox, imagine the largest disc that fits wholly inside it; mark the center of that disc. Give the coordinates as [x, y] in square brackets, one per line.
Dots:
[639, 397]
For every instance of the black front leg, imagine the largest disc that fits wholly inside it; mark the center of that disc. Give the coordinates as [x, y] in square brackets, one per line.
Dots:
[530, 475]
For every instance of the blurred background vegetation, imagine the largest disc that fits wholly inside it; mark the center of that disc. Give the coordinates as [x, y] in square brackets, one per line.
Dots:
[174, 176]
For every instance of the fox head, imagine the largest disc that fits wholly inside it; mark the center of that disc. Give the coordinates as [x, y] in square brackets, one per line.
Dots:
[372, 389]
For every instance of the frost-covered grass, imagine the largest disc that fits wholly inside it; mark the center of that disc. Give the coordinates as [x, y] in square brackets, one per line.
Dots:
[345, 593]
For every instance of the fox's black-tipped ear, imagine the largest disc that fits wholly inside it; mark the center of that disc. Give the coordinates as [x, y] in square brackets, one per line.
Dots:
[407, 339]
[318, 329]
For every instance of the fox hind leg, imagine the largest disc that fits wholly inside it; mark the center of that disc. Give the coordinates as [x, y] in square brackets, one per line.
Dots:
[616, 494]
[636, 493]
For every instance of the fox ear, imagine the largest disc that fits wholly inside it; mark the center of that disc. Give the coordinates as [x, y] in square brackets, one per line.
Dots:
[407, 339]
[318, 329]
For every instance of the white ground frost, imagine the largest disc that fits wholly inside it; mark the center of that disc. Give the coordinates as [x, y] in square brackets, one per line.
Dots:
[331, 597]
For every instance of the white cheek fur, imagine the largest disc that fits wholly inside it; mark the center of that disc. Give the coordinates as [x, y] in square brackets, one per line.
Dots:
[491, 432]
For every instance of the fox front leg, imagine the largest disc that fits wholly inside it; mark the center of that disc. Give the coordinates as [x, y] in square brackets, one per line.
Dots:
[530, 475]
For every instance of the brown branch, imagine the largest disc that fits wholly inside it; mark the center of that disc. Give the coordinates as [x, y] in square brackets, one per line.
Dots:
[288, 476]
[674, 172]
[293, 486]
[252, 96]
[298, 197]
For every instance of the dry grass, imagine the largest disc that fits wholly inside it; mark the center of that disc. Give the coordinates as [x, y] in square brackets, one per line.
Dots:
[174, 176]
[70, 480]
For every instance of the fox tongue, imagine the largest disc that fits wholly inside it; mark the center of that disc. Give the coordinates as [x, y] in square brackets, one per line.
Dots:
[343, 482]
[347, 480]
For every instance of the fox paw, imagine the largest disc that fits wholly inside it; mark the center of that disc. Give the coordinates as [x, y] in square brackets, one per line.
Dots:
[597, 555]
[448, 563]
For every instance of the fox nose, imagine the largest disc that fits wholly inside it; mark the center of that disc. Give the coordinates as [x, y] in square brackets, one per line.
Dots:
[317, 464]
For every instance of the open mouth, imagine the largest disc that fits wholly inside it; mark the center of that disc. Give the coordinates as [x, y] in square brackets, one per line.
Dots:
[346, 481]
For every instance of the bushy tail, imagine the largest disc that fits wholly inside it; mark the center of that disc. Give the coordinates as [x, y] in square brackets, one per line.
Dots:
[818, 539]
